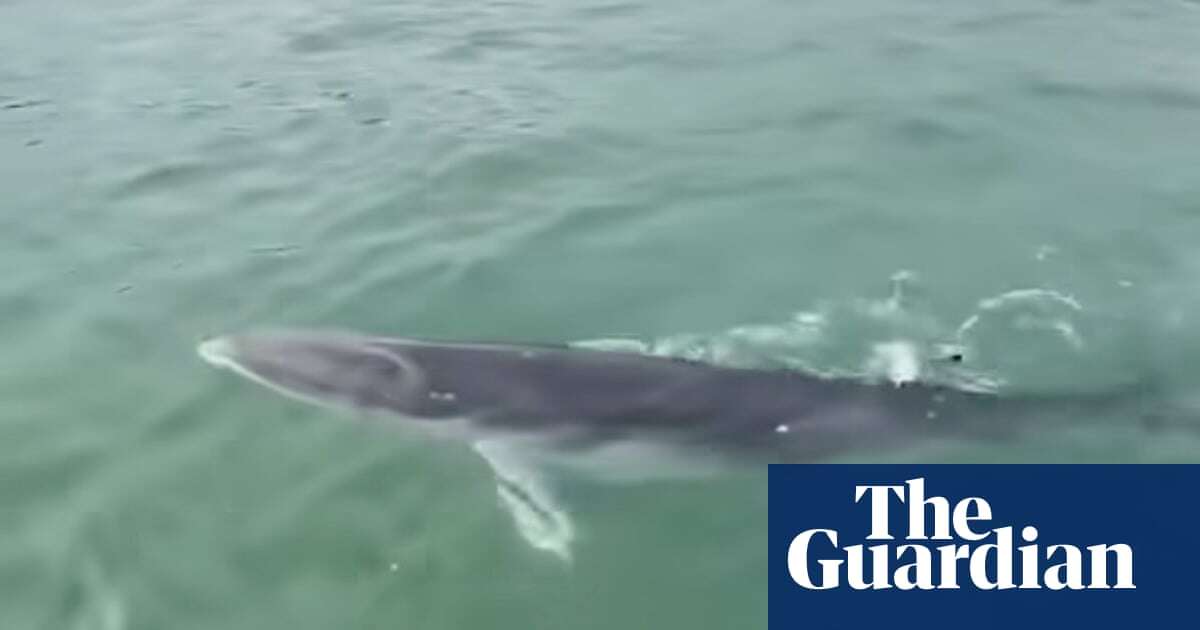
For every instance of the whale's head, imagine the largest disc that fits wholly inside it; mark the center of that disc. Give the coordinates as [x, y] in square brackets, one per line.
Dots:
[331, 369]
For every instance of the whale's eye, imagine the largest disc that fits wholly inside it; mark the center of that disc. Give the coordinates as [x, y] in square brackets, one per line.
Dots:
[392, 381]
[376, 379]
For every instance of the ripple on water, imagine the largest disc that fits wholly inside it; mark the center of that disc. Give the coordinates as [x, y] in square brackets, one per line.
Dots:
[602, 10]
[93, 600]
[998, 21]
[161, 178]
[1161, 96]
[1012, 337]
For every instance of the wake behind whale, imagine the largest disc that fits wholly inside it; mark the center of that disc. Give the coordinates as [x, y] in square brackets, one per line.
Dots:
[521, 406]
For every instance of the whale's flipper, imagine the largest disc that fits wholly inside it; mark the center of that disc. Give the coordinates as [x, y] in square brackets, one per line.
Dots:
[540, 520]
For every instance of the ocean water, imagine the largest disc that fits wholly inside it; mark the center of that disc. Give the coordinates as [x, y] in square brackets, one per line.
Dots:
[847, 188]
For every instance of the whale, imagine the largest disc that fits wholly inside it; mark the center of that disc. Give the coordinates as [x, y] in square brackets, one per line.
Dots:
[527, 408]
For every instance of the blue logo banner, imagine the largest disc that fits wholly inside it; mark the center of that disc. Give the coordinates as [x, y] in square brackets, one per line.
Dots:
[970, 546]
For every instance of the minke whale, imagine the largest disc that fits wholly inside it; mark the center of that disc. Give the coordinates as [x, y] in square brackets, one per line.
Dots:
[526, 408]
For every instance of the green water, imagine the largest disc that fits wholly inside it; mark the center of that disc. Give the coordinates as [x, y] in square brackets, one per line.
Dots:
[844, 187]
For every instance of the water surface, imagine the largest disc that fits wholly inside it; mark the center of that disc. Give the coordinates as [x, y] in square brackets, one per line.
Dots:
[843, 187]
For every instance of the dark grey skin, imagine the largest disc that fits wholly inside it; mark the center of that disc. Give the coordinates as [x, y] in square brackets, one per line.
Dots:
[578, 398]
[524, 408]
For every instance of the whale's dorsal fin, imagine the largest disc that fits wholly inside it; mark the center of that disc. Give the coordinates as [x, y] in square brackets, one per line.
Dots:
[539, 518]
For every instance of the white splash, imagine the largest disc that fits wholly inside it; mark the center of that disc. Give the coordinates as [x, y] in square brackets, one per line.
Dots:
[613, 344]
[1068, 332]
[899, 360]
[1062, 326]
[1023, 295]
[894, 304]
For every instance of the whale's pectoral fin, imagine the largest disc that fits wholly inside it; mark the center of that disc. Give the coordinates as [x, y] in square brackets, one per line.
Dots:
[540, 520]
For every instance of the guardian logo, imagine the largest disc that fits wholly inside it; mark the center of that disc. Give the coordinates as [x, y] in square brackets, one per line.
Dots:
[972, 550]
[981, 546]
